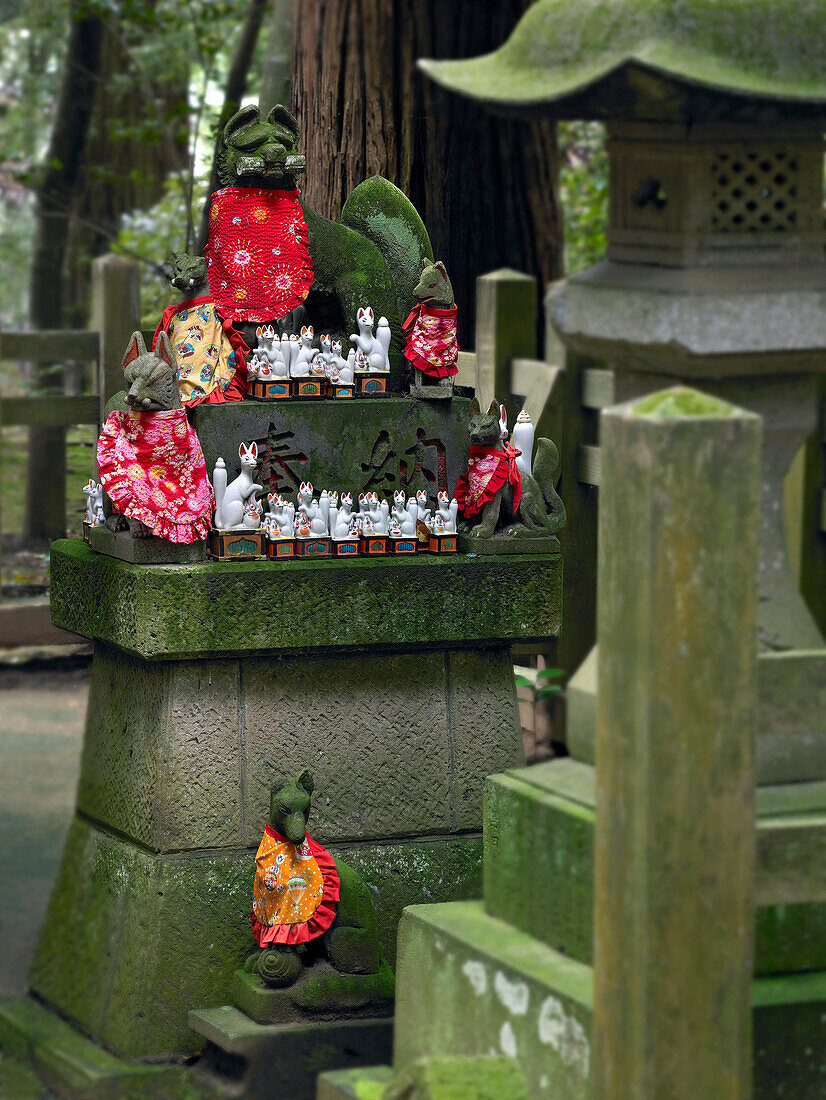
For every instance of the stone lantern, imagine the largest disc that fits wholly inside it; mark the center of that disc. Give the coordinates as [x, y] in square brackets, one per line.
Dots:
[715, 271]
[715, 275]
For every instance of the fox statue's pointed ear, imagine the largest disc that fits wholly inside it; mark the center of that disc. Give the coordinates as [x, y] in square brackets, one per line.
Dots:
[441, 267]
[134, 351]
[475, 407]
[493, 410]
[242, 118]
[280, 116]
[305, 780]
[425, 263]
[163, 350]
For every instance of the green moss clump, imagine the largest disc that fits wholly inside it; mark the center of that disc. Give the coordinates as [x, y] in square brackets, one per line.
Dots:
[681, 401]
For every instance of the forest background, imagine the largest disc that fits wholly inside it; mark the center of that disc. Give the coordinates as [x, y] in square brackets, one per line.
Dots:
[109, 113]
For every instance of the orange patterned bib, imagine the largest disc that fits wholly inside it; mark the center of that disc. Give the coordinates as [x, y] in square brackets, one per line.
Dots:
[295, 891]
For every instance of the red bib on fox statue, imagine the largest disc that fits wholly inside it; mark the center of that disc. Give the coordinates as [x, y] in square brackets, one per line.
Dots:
[257, 257]
[488, 469]
[295, 891]
[431, 340]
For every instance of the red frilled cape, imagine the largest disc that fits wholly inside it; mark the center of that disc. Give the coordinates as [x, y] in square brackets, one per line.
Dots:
[488, 469]
[431, 340]
[257, 255]
[272, 844]
[152, 466]
[209, 353]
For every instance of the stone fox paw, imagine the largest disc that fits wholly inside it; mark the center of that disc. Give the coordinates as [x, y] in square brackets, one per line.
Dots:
[306, 904]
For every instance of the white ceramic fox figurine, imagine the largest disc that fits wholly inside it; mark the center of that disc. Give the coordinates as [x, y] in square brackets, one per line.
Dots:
[394, 528]
[438, 524]
[405, 514]
[448, 510]
[379, 512]
[230, 500]
[306, 353]
[424, 512]
[375, 349]
[340, 517]
[345, 367]
[326, 352]
[310, 510]
[94, 503]
[281, 517]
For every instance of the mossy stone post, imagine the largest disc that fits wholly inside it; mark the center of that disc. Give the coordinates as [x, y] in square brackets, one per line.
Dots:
[505, 329]
[116, 314]
[675, 841]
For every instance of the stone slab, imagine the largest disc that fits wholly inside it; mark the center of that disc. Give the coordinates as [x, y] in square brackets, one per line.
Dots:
[497, 546]
[132, 940]
[354, 1084]
[791, 715]
[319, 994]
[148, 551]
[73, 1065]
[467, 983]
[181, 755]
[220, 608]
[547, 890]
[349, 446]
[259, 1061]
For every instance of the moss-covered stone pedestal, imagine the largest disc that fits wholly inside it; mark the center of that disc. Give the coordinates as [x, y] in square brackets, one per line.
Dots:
[391, 678]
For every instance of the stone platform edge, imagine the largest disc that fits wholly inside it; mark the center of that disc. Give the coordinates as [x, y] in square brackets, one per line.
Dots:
[209, 609]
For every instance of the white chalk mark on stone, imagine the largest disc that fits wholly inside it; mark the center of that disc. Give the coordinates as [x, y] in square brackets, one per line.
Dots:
[477, 976]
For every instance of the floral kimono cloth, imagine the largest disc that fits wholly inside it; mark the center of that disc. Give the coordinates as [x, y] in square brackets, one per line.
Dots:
[152, 466]
[431, 341]
[488, 469]
[257, 256]
[295, 890]
[209, 353]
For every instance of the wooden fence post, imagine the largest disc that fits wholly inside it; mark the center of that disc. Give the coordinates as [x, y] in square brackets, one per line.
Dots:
[675, 832]
[115, 315]
[506, 305]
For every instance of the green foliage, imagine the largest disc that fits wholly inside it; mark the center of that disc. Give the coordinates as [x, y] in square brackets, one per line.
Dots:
[583, 186]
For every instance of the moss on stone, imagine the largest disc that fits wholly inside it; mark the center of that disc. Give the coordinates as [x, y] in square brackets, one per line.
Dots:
[190, 611]
[560, 49]
[459, 1078]
[681, 401]
[385, 215]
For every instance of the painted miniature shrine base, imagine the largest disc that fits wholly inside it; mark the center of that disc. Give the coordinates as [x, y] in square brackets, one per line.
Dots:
[321, 993]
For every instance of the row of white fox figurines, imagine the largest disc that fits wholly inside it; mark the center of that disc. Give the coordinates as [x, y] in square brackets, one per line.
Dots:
[291, 356]
[237, 507]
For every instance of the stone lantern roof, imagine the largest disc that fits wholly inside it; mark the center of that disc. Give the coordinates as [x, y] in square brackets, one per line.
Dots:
[653, 59]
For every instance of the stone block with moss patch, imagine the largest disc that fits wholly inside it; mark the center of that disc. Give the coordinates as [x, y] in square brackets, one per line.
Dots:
[459, 1078]
[320, 994]
[547, 890]
[354, 1084]
[368, 603]
[500, 991]
[132, 940]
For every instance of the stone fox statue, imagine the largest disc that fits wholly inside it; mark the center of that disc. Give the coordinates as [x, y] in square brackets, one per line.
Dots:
[305, 902]
[495, 497]
[374, 254]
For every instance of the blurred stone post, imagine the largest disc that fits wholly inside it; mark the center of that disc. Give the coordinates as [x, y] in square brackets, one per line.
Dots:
[675, 828]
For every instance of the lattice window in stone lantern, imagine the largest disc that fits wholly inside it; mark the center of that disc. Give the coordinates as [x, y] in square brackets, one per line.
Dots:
[754, 191]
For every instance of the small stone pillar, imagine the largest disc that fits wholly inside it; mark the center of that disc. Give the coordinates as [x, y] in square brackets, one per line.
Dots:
[675, 842]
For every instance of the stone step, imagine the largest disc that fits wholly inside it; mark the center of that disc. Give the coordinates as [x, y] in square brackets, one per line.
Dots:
[73, 1066]
[547, 890]
[354, 1084]
[453, 1078]
[259, 1061]
[470, 984]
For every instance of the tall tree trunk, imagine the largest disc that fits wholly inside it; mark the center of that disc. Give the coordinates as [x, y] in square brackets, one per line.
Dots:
[46, 488]
[486, 188]
[276, 79]
[234, 92]
[123, 171]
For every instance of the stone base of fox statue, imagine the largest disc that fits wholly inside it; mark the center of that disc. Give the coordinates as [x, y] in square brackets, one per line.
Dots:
[145, 551]
[207, 682]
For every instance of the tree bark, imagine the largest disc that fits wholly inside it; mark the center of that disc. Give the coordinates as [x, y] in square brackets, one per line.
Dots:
[486, 188]
[46, 488]
[234, 92]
